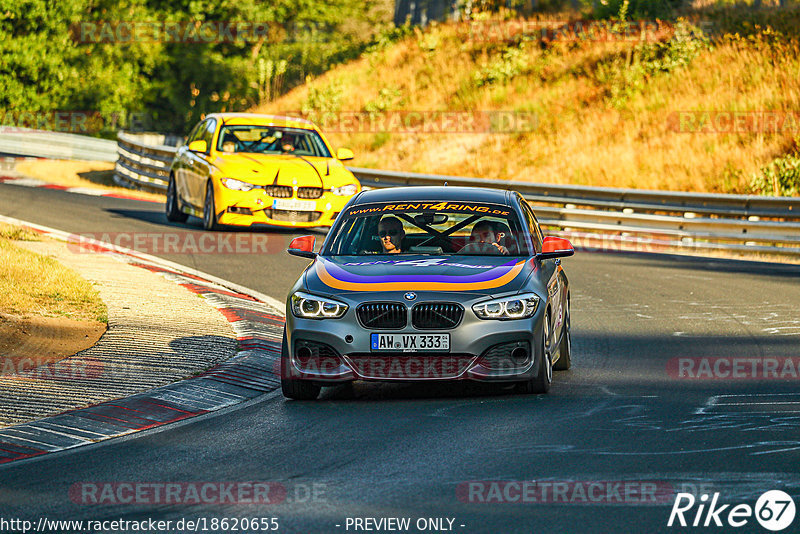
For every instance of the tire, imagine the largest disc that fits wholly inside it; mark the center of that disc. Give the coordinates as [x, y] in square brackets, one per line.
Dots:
[564, 361]
[294, 389]
[544, 378]
[210, 210]
[174, 213]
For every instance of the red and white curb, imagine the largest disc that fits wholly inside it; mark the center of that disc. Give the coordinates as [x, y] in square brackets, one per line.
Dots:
[258, 322]
[32, 182]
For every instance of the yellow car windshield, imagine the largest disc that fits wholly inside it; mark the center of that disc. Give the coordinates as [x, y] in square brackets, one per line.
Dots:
[271, 140]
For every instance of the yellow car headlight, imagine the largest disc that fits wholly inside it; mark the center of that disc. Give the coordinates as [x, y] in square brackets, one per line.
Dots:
[345, 190]
[236, 185]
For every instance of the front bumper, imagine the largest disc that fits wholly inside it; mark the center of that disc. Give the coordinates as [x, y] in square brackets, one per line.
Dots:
[246, 208]
[339, 350]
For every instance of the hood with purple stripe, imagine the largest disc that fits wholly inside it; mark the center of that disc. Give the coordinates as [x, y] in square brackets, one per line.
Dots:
[478, 275]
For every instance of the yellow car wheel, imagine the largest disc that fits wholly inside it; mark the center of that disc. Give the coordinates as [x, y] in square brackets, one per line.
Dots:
[174, 213]
[210, 210]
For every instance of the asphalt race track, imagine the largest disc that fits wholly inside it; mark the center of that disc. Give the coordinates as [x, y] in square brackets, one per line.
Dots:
[622, 415]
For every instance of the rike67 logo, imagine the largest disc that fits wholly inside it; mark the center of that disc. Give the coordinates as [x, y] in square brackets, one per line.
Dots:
[774, 511]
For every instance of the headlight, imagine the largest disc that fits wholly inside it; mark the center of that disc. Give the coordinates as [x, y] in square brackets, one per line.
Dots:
[516, 307]
[312, 307]
[345, 190]
[236, 185]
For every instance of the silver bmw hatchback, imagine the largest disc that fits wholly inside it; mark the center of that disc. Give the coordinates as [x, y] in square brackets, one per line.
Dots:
[429, 283]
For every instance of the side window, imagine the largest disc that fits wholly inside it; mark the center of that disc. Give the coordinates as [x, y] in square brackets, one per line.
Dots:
[194, 135]
[539, 233]
[208, 133]
[533, 226]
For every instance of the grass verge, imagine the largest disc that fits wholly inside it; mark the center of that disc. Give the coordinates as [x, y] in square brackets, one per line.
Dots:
[35, 285]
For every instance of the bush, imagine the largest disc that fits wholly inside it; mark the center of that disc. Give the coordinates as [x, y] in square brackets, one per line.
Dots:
[626, 75]
[329, 98]
[512, 62]
[388, 36]
[388, 98]
[635, 9]
[779, 178]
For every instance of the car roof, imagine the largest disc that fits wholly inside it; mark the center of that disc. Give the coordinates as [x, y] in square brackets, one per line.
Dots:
[435, 193]
[259, 119]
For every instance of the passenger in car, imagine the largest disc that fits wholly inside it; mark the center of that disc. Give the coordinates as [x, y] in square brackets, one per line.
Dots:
[505, 238]
[391, 234]
[229, 143]
[483, 240]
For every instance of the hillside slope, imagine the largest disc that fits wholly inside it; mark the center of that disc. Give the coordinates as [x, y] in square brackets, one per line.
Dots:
[607, 112]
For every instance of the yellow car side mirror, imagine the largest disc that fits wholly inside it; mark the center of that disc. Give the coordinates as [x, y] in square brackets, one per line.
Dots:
[344, 153]
[198, 146]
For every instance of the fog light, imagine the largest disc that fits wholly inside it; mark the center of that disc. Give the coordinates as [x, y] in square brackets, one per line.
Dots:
[519, 355]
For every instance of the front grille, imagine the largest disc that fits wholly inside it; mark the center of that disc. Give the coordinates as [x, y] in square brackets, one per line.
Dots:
[382, 315]
[309, 192]
[405, 366]
[432, 316]
[279, 191]
[317, 358]
[292, 216]
[498, 357]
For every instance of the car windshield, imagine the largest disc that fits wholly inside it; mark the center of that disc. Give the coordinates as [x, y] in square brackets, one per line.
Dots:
[271, 140]
[435, 228]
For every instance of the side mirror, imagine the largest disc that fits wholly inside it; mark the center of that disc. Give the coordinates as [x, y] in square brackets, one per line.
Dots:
[555, 247]
[344, 154]
[303, 246]
[198, 146]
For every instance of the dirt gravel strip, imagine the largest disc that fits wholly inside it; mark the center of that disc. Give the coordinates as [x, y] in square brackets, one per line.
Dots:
[137, 354]
[10, 176]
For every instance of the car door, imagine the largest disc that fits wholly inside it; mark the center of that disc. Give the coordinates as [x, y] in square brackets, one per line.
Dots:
[199, 167]
[551, 272]
[182, 164]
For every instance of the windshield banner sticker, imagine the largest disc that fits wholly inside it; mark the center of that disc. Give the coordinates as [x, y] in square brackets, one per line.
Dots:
[456, 207]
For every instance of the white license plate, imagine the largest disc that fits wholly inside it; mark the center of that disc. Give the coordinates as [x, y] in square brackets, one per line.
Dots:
[293, 204]
[410, 342]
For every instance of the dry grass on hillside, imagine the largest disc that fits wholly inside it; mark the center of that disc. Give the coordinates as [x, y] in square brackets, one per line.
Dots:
[596, 123]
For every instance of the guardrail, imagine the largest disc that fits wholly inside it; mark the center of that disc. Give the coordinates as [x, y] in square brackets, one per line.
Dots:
[595, 217]
[55, 145]
[144, 160]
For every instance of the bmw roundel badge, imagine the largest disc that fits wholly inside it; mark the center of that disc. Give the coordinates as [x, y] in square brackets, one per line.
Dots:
[410, 295]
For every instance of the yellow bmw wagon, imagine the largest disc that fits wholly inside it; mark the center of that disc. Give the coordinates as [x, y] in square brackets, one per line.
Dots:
[243, 169]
